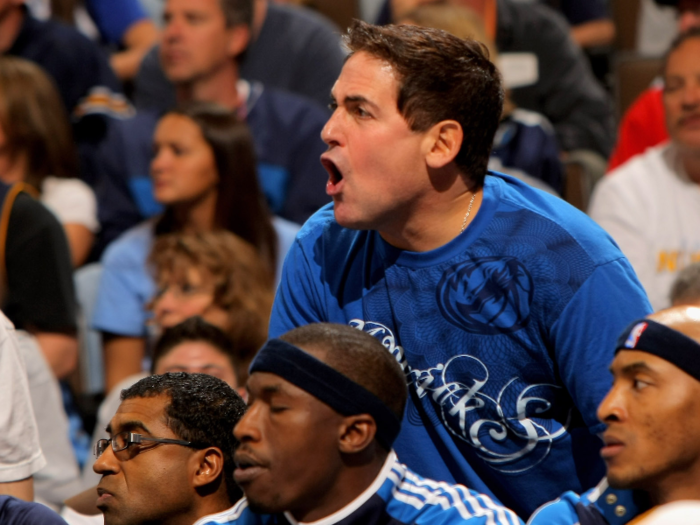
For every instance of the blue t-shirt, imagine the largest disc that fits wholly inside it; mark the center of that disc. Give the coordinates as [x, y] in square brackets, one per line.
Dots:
[14, 511]
[505, 335]
[396, 497]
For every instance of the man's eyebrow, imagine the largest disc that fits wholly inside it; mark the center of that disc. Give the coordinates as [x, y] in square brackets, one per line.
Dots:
[129, 426]
[354, 99]
[637, 366]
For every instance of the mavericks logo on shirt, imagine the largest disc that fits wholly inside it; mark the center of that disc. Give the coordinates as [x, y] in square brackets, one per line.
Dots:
[512, 429]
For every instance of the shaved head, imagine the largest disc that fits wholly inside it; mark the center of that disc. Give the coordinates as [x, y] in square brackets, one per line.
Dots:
[684, 319]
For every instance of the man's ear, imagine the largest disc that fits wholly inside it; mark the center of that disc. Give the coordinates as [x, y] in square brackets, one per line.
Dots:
[208, 466]
[356, 433]
[238, 40]
[444, 140]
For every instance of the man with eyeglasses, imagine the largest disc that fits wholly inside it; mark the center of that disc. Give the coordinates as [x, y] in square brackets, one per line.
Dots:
[169, 458]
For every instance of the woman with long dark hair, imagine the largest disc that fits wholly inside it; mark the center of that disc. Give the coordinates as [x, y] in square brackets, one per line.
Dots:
[203, 172]
[37, 148]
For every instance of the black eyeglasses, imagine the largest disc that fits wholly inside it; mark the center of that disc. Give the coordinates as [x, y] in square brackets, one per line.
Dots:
[124, 440]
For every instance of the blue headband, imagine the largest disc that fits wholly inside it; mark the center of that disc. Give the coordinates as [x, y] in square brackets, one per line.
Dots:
[327, 385]
[664, 342]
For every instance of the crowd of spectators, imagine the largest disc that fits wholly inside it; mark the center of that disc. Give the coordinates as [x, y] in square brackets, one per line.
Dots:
[183, 181]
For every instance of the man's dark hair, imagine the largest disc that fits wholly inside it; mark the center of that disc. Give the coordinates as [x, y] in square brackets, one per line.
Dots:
[237, 12]
[203, 409]
[686, 287]
[693, 32]
[194, 329]
[356, 355]
[440, 77]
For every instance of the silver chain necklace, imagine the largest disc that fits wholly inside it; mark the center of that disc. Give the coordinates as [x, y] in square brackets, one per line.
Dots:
[469, 211]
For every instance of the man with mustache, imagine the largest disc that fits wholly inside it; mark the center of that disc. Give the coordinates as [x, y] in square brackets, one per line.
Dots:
[652, 413]
[325, 405]
[651, 204]
[169, 458]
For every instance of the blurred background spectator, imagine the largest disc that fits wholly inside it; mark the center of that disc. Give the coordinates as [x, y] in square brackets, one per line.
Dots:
[36, 139]
[293, 49]
[121, 26]
[204, 174]
[651, 204]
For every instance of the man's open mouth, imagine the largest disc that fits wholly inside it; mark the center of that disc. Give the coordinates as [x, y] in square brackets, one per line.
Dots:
[334, 173]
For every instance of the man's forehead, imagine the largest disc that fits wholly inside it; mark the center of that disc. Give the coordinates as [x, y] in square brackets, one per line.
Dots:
[193, 5]
[148, 410]
[364, 74]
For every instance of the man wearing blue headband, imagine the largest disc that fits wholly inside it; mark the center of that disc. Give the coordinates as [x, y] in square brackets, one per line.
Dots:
[652, 413]
[325, 405]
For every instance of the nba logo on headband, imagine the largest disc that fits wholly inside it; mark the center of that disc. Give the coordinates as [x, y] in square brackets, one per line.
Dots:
[635, 334]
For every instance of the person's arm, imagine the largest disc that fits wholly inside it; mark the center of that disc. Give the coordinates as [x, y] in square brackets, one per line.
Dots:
[299, 300]
[60, 351]
[22, 489]
[594, 33]
[20, 451]
[138, 39]
[122, 358]
[583, 337]
[80, 240]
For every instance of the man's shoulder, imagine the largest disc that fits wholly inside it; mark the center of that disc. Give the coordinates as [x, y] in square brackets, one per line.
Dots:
[645, 168]
[239, 514]
[530, 209]
[412, 498]
[15, 511]
[601, 505]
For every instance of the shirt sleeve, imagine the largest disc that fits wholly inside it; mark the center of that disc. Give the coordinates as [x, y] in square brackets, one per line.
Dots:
[20, 452]
[39, 271]
[561, 511]
[124, 290]
[72, 201]
[298, 301]
[584, 345]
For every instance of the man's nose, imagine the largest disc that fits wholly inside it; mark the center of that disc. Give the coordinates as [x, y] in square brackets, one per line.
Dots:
[247, 428]
[330, 132]
[107, 462]
[612, 407]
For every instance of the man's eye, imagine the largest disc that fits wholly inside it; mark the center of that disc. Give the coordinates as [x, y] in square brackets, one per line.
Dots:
[276, 409]
[361, 112]
[332, 105]
[639, 384]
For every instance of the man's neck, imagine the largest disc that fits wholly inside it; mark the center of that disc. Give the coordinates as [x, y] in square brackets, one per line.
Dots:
[677, 486]
[349, 485]
[10, 25]
[435, 221]
[691, 164]
[221, 88]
